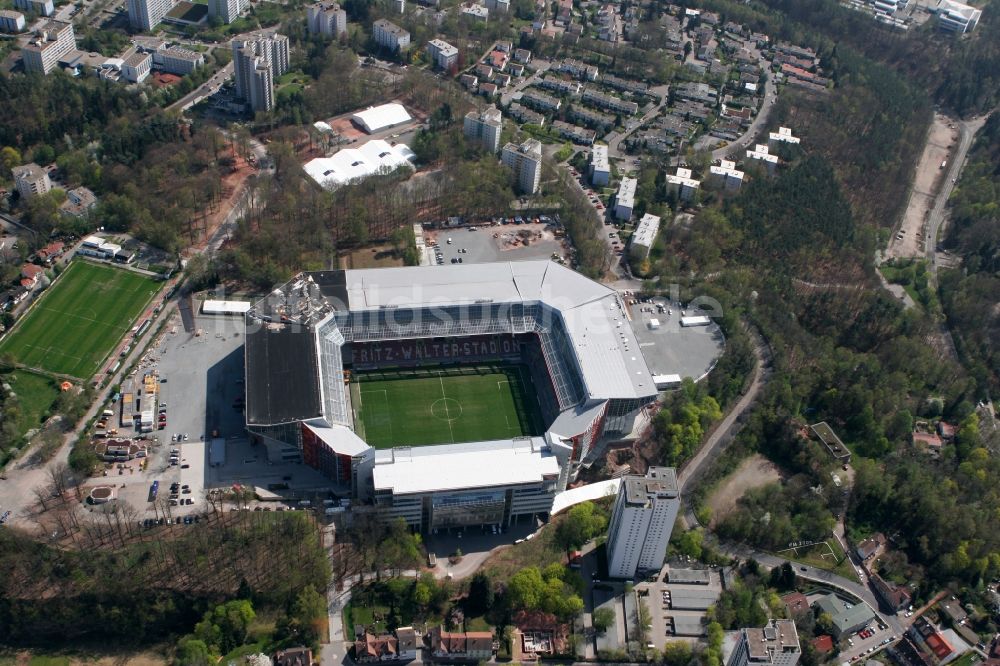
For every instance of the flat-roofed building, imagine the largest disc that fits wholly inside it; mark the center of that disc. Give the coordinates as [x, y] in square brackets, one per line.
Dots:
[957, 17]
[11, 21]
[477, 13]
[574, 133]
[257, 64]
[641, 522]
[526, 163]
[762, 155]
[682, 185]
[147, 14]
[442, 54]
[777, 644]
[137, 66]
[625, 199]
[51, 41]
[226, 11]
[540, 101]
[600, 166]
[326, 18]
[609, 102]
[645, 235]
[390, 36]
[381, 117]
[558, 85]
[178, 60]
[726, 175]
[31, 180]
[782, 136]
[484, 127]
[40, 7]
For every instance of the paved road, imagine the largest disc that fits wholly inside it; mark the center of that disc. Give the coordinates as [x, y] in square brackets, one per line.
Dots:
[615, 138]
[207, 89]
[770, 95]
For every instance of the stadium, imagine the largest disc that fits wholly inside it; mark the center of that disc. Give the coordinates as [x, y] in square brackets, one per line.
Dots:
[446, 395]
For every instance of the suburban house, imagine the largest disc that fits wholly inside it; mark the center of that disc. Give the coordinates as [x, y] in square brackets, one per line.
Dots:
[465, 646]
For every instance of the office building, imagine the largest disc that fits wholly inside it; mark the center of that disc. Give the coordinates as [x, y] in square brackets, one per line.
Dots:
[641, 521]
[226, 11]
[682, 185]
[645, 235]
[484, 127]
[137, 66]
[526, 163]
[257, 63]
[783, 135]
[39, 7]
[31, 180]
[443, 55]
[600, 166]
[49, 43]
[147, 14]
[178, 60]
[777, 644]
[390, 36]
[11, 21]
[327, 18]
[957, 17]
[761, 154]
[726, 175]
[625, 199]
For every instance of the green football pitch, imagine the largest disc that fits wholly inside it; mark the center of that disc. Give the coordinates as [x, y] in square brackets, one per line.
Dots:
[79, 319]
[444, 406]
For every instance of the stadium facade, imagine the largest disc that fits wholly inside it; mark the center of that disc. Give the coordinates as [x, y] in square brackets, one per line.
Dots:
[305, 338]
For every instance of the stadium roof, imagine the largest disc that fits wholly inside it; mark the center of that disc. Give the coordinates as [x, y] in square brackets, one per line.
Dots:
[340, 438]
[356, 163]
[381, 117]
[428, 469]
[605, 347]
[282, 374]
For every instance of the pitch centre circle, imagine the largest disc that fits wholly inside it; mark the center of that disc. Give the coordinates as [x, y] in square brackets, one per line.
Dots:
[446, 409]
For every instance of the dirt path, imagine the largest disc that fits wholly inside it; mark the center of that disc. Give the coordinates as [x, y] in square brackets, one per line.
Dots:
[930, 175]
[754, 472]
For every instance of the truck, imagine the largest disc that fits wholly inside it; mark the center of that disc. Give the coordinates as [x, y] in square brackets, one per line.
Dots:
[944, 164]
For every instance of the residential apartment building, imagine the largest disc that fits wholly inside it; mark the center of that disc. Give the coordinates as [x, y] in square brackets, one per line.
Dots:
[442, 54]
[147, 14]
[484, 127]
[11, 21]
[257, 64]
[761, 154]
[957, 17]
[625, 85]
[226, 11]
[526, 163]
[31, 180]
[642, 519]
[783, 135]
[609, 102]
[390, 36]
[600, 166]
[577, 69]
[51, 41]
[475, 12]
[645, 235]
[596, 120]
[625, 199]
[726, 175]
[777, 644]
[178, 60]
[525, 115]
[682, 185]
[40, 7]
[574, 133]
[326, 18]
[560, 86]
[137, 66]
[540, 101]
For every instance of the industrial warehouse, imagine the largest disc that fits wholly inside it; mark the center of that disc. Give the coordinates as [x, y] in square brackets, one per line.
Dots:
[448, 395]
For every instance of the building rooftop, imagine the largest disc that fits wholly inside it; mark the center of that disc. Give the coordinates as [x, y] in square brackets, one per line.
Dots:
[30, 171]
[443, 47]
[626, 192]
[136, 59]
[784, 135]
[645, 232]
[391, 27]
[427, 469]
[382, 116]
[760, 152]
[356, 163]
[658, 481]
[599, 158]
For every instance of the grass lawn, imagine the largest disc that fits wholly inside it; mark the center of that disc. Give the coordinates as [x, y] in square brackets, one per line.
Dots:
[893, 276]
[79, 319]
[538, 552]
[363, 615]
[967, 659]
[819, 557]
[435, 406]
[35, 395]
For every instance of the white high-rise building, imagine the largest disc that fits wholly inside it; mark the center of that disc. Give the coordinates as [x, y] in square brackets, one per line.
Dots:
[600, 167]
[777, 644]
[526, 163]
[327, 18]
[390, 36]
[641, 522]
[147, 14]
[257, 63]
[625, 199]
[226, 11]
[51, 41]
[31, 180]
[484, 128]
[442, 54]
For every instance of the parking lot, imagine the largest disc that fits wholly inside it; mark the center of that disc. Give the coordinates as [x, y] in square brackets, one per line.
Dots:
[497, 242]
[677, 604]
[669, 348]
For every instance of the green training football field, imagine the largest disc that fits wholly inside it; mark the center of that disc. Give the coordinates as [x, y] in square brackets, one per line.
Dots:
[443, 406]
[79, 319]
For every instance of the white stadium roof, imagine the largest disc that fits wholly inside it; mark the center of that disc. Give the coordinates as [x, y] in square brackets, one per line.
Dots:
[356, 163]
[381, 117]
[425, 469]
[225, 307]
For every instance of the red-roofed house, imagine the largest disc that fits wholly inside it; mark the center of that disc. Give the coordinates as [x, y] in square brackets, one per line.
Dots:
[498, 59]
[796, 603]
[928, 439]
[822, 644]
[468, 646]
[50, 251]
[370, 648]
[30, 273]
